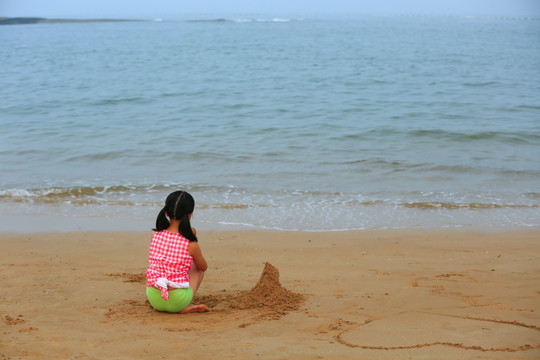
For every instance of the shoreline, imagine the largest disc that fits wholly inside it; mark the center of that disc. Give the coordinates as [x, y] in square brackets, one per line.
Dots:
[40, 20]
[442, 294]
[40, 223]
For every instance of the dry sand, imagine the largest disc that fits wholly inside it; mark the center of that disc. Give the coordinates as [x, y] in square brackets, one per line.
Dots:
[340, 295]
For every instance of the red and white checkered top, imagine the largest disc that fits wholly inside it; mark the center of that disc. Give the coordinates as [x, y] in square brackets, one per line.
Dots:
[168, 258]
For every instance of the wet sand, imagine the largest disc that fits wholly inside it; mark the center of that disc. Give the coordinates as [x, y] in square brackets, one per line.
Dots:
[428, 294]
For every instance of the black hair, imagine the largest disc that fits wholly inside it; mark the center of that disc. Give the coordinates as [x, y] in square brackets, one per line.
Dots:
[178, 206]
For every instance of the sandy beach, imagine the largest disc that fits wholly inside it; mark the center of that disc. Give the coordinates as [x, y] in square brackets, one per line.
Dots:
[415, 294]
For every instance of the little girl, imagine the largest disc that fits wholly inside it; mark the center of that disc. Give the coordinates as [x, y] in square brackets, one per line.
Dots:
[177, 264]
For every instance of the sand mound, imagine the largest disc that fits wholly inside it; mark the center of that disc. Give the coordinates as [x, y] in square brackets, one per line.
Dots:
[268, 294]
[267, 300]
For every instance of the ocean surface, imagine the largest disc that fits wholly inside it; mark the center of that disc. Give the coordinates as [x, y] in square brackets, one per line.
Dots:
[319, 123]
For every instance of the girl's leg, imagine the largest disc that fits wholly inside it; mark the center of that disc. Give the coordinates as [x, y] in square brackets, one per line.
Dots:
[195, 279]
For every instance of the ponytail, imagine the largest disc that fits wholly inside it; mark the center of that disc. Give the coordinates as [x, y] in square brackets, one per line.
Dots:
[184, 228]
[162, 222]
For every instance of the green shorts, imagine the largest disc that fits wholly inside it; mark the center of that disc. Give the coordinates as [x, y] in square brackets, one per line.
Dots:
[179, 299]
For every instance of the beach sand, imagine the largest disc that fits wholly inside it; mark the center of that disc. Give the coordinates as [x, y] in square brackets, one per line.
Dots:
[415, 294]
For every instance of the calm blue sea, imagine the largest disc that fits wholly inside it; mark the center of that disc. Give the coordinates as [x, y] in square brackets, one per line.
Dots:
[317, 123]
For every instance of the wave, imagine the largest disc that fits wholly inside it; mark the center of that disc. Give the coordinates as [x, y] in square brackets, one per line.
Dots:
[243, 20]
[440, 134]
[480, 84]
[529, 107]
[428, 168]
[231, 198]
[60, 193]
[469, 206]
[107, 193]
[118, 101]
[502, 136]
[532, 195]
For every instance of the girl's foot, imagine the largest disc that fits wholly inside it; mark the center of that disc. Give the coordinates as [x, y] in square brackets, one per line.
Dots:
[196, 309]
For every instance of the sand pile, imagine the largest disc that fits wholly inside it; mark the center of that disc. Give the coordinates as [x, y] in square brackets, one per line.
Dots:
[267, 300]
[268, 294]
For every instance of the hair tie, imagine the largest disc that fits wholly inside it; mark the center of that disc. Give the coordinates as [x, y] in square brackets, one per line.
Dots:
[165, 213]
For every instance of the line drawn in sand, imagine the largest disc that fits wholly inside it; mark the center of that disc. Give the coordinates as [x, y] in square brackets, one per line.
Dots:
[431, 326]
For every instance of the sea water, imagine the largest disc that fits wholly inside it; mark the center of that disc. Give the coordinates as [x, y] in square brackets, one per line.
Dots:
[315, 123]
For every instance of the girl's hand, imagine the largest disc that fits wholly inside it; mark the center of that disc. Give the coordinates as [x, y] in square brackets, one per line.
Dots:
[194, 231]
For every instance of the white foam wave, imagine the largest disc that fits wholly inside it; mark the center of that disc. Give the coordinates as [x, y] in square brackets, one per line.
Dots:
[276, 20]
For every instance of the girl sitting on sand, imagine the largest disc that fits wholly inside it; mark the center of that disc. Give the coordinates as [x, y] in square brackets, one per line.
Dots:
[177, 264]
